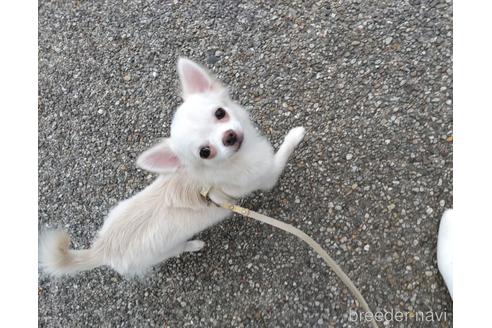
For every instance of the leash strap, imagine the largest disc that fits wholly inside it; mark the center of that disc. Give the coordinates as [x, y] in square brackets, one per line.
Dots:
[304, 237]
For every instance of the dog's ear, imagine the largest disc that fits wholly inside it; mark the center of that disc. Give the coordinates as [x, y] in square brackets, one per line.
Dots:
[195, 79]
[159, 159]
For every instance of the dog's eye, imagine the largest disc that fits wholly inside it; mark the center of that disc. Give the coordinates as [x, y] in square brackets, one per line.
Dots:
[220, 113]
[205, 152]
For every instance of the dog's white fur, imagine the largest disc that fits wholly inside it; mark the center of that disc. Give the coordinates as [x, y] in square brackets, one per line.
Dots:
[158, 222]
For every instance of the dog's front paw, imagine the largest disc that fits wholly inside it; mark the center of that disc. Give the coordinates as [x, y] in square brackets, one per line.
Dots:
[219, 197]
[295, 135]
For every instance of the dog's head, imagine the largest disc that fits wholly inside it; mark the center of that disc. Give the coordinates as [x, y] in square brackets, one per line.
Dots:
[208, 131]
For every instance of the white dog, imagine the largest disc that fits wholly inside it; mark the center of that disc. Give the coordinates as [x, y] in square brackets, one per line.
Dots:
[212, 143]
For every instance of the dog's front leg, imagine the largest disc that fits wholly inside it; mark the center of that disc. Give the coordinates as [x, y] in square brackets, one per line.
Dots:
[292, 139]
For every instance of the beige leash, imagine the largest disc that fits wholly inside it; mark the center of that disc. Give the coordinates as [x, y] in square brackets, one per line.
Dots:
[300, 234]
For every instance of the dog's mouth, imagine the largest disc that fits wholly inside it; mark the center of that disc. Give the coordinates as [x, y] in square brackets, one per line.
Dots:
[239, 144]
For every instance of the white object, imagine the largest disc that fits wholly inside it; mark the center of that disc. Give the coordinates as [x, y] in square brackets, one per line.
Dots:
[213, 142]
[445, 248]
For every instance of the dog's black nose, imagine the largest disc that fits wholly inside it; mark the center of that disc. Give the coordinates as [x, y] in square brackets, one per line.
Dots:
[232, 138]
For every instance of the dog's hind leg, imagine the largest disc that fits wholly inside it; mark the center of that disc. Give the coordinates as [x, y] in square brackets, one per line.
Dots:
[193, 246]
[186, 247]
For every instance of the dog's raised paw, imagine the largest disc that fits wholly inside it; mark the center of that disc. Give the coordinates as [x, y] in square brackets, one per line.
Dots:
[295, 135]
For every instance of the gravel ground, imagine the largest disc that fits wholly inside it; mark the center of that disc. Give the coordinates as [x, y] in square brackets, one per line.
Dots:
[370, 80]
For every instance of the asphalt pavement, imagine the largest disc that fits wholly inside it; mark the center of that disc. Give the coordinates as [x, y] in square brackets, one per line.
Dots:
[370, 80]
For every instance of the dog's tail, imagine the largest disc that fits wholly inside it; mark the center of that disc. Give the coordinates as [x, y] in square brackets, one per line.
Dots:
[57, 259]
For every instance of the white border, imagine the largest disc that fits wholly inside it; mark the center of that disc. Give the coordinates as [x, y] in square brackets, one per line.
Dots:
[472, 164]
[18, 173]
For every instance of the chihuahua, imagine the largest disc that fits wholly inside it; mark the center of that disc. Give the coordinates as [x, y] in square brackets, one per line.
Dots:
[212, 143]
